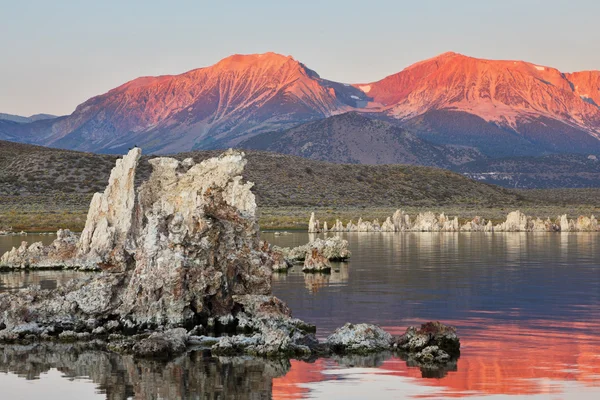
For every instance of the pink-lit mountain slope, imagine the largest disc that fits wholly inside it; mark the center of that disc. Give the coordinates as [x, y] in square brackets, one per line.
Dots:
[205, 108]
[498, 106]
[501, 108]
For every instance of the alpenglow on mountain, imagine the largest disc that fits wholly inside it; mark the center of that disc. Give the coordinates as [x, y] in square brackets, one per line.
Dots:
[500, 108]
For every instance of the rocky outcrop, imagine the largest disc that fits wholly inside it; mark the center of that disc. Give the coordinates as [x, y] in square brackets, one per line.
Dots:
[173, 253]
[316, 262]
[313, 224]
[359, 339]
[179, 256]
[431, 345]
[332, 248]
[516, 221]
[109, 234]
[59, 254]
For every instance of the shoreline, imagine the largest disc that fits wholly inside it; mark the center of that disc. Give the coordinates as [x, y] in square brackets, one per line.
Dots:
[35, 221]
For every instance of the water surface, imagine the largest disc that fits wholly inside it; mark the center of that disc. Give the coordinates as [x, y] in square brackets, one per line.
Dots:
[526, 305]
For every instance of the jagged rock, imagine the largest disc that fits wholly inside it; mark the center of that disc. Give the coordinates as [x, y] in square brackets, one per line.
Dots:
[564, 223]
[401, 221]
[338, 226]
[280, 263]
[430, 334]
[489, 227]
[190, 245]
[273, 336]
[448, 225]
[312, 224]
[108, 236]
[516, 221]
[586, 224]
[316, 262]
[58, 254]
[477, 224]
[432, 355]
[179, 253]
[360, 339]
[388, 225]
[333, 248]
[426, 222]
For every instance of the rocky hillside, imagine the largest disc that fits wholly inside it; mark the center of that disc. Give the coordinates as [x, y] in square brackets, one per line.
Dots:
[280, 180]
[355, 139]
[502, 108]
[20, 119]
[552, 171]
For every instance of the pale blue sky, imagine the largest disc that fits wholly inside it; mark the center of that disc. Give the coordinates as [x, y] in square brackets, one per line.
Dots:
[56, 54]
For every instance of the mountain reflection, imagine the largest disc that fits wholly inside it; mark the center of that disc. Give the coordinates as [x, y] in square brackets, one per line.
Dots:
[539, 358]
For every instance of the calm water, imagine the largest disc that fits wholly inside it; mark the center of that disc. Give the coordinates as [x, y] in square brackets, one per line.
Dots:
[527, 308]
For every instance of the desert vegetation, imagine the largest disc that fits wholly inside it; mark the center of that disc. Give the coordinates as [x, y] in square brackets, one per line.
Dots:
[42, 189]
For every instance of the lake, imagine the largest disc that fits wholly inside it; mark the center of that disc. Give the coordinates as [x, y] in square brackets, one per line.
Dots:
[526, 306]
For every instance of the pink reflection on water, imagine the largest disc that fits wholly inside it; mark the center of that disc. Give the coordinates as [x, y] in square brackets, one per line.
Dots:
[499, 357]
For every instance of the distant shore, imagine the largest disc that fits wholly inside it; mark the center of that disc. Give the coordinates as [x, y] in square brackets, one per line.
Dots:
[32, 218]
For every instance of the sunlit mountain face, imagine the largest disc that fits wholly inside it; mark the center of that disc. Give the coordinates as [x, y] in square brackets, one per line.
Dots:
[501, 108]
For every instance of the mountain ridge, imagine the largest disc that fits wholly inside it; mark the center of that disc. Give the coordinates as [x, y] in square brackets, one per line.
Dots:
[521, 108]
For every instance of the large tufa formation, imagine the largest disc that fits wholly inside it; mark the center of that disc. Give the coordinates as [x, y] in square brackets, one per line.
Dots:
[515, 221]
[173, 253]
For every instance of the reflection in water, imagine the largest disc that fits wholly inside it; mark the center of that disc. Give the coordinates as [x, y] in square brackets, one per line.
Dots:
[191, 376]
[339, 275]
[526, 305]
[539, 359]
[121, 377]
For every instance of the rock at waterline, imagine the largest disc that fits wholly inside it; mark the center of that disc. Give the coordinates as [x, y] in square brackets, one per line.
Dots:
[429, 334]
[173, 252]
[333, 248]
[60, 253]
[516, 221]
[359, 338]
[316, 262]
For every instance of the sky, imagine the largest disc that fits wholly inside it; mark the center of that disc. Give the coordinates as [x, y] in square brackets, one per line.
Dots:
[56, 54]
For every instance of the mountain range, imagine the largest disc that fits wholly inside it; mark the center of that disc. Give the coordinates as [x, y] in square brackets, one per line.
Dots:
[446, 110]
